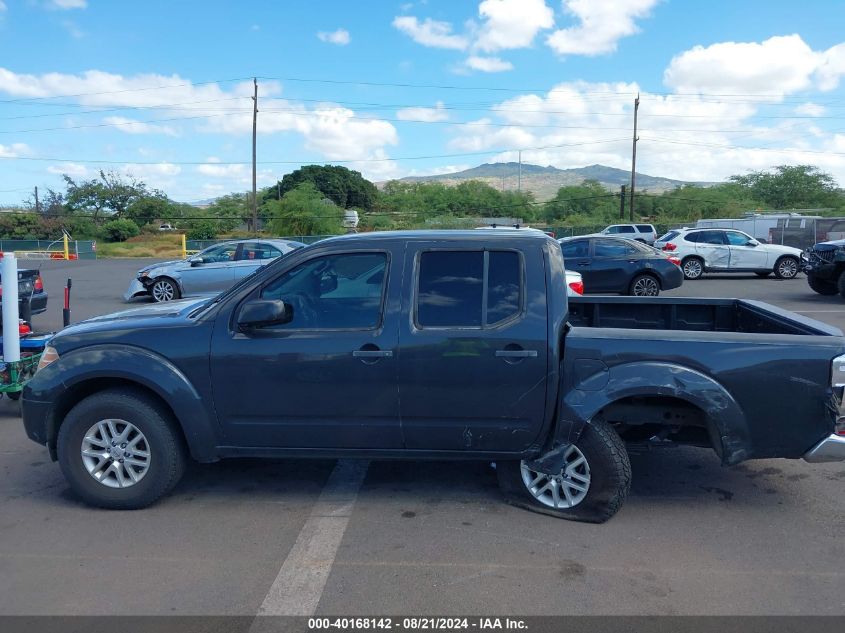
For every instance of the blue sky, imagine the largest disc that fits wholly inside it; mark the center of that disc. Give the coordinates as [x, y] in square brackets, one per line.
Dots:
[161, 89]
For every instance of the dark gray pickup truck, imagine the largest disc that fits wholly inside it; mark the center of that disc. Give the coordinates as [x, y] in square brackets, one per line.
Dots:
[433, 345]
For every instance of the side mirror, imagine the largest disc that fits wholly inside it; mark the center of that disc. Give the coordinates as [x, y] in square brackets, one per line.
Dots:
[195, 261]
[752, 243]
[262, 312]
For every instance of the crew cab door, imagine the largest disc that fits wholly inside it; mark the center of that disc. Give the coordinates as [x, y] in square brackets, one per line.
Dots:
[473, 349]
[326, 379]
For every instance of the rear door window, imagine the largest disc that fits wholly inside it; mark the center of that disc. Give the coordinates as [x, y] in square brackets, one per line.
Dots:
[468, 289]
[612, 248]
[627, 229]
[645, 228]
[571, 250]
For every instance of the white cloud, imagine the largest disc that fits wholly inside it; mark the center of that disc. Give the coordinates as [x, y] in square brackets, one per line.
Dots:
[778, 66]
[430, 32]
[66, 5]
[14, 150]
[488, 64]
[511, 23]
[831, 67]
[131, 126]
[74, 170]
[429, 115]
[810, 109]
[2, 6]
[601, 24]
[339, 37]
[73, 30]
[216, 170]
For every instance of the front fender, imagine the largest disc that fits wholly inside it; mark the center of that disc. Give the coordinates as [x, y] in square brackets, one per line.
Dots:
[592, 391]
[58, 383]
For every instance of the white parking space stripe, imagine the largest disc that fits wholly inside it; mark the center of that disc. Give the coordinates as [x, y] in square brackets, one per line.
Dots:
[302, 578]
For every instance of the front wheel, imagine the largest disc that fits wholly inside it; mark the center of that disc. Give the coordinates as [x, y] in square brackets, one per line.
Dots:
[118, 449]
[164, 289]
[693, 267]
[822, 286]
[592, 483]
[644, 286]
[787, 268]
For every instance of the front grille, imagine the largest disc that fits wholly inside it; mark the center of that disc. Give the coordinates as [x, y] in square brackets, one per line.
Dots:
[825, 257]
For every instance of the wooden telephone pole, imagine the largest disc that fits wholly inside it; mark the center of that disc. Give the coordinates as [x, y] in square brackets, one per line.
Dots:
[634, 159]
[254, 129]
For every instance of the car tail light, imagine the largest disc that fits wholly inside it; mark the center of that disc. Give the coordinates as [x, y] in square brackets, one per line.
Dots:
[577, 286]
[669, 247]
[39, 284]
[550, 233]
[674, 260]
[839, 429]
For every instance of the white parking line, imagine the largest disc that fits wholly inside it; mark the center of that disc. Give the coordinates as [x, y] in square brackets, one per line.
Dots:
[840, 310]
[302, 578]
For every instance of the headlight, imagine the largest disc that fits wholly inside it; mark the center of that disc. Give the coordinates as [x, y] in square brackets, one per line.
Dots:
[48, 356]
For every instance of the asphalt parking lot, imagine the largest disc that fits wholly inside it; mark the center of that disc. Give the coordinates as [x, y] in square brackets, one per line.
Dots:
[426, 538]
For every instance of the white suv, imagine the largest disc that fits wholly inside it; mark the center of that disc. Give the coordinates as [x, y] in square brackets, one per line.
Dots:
[729, 251]
[640, 232]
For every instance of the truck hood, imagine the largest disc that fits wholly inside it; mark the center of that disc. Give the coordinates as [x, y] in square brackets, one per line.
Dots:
[156, 315]
[829, 246]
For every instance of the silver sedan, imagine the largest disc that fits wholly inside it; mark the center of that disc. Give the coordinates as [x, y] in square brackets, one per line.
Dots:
[209, 272]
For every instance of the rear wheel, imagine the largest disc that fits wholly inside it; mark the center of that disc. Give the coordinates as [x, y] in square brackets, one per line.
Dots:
[693, 267]
[164, 289]
[119, 450]
[787, 268]
[592, 483]
[822, 286]
[644, 286]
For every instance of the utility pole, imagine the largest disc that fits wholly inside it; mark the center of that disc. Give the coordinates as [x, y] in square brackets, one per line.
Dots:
[254, 129]
[519, 176]
[634, 158]
[622, 203]
[37, 206]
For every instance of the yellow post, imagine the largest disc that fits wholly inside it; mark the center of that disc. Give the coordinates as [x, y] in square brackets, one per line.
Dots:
[67, 251]
[184, 247]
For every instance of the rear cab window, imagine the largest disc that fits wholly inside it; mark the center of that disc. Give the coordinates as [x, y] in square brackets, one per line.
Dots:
[468, 289]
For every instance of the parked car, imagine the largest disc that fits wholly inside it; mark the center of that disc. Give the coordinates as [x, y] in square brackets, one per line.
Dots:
[729, 251]
[640, 232]
[32, 298]
[166, 227]
[467, 350]
[825, 267]
[624, 266]
[207, 273]
[574, 284]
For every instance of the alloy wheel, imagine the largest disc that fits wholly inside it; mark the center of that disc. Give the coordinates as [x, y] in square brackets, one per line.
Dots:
[788, 268]
[692, 269]
[564, 490]
[163, 290]
[646, 287]
[115, 453]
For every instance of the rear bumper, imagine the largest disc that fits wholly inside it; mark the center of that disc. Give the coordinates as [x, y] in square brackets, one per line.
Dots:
[830, 449]
[39, 303]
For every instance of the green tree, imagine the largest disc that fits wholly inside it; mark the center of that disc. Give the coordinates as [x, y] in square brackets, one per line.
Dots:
[149, 209]
[110, 193]
[304, 210]
[344, 187]
[589, 199]
[791, 187]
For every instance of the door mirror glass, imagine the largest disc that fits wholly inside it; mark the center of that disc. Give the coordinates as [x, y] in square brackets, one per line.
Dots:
[195, 261]
[263, 312]
[753, 243]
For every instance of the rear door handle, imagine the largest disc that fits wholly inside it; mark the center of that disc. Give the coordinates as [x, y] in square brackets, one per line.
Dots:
[516, 353]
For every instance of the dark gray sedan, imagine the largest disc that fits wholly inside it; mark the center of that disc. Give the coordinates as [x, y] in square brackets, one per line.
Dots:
[616, 265]
[209, 272]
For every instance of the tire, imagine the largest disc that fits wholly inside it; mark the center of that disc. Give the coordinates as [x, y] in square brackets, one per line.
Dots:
[822, 286]
[94, 477]
[13, 395]
[787, 267]
[165, 289]
[764, 273]
[693, 267]
[608, 473]
[840, 284]
[644, 286]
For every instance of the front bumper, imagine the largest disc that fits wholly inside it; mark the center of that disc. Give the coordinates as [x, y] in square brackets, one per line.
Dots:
[830, 449]
[136, 289]
[36, 416]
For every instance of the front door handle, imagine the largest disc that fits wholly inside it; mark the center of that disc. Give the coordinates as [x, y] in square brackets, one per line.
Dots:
[372, 353]
[516, 353]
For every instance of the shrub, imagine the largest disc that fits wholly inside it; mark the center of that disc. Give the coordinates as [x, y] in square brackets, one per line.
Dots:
[119, 230]
[202, 230]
